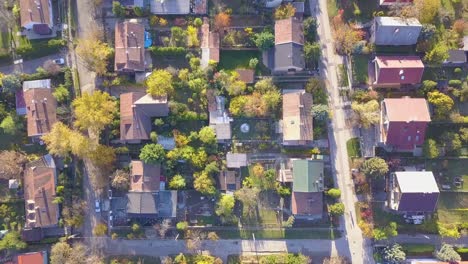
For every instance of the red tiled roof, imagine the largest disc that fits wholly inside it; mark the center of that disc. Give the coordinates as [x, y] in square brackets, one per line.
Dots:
[35, 11]
[289, 30]
[399, 69]
[246, 75]
[145, 177]
[407, 109]
[41, 109]
[307, 203]
[31, 258]
[129, 46]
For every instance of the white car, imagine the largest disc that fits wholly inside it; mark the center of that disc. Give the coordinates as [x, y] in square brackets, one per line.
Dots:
[97, 207]
[59, 61]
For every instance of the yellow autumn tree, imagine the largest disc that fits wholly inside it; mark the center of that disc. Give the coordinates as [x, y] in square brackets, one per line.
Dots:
[159, 83]
[94, 53]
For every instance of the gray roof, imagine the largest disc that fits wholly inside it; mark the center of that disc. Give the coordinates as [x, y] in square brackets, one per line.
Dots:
[397, 21]
[147, 204]
[416, 182]
[456, 56]
[289, 55]
[170, 7]
[465, 43]
[299, 7]
[236, 160]
[36, 84]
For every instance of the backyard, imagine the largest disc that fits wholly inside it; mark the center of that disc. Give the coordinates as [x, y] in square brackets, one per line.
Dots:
[235, 59]
[259, 129]
[446, 171]
[453, 207]
[353, 147]
[360, 69]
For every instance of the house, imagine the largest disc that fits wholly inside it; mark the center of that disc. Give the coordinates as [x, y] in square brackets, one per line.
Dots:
[220, 121]
[145, 177]
[456, 58]
[288, 53]
[229, 181]
[307, 191]
[136, 111]
[395, 31]
[36, 15]
[151, 205]
[41, 107]
[246, 75]
[285, 174]
[210, 44]
[432, 261]
[297, 118]
[236, 160]
[413, 192]
[392, 2]
[403, 123]
[40, 180]
[33, 258]
[178, 7]
[129, 47]
[397, 70]
[134, 3]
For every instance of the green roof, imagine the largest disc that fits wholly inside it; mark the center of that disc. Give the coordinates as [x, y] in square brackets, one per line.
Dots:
[307, 176]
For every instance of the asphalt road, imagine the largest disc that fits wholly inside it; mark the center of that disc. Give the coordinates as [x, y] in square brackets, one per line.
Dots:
[28, 66]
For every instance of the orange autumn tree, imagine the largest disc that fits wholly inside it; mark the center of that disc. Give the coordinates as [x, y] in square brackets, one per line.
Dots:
[221, 21]
[345, 36]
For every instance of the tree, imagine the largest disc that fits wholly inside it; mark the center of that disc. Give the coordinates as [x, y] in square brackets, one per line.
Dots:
[334, 193]
[310, 29]
[346, 38]
[213, 236]
[438, 54]
[159, 83]
[447, 253]
[448, 230]
[264, 40]
[94, 111]
[336, 209]
[428, 86]
[336, 260]
[265, 85]
[192, 37]
[452, 141]
[63, 253]
[51, 67]
[177, 182]
[8, 125]
[12, 241]
[204, 183]
[393, 254]
[117, 9]
[74, 216]
[100, 229]
[11, 164]
[58, 140]
[366, 113]
[61, 93]
[253, 62]
[178, 37]
[11, 83]
[221, 21]
[285, 11]
[121, 180]
[258, 170]
[182, 226]
[385, 233]
[207, 135]
[225, 205]
[164, 227]
[443, 103]
[152, 153]
[197, 22]
[430, 149]
[94, 54]
[374, 167]
[427, 10]
[248, 197]
[320, 111]
[312, 52]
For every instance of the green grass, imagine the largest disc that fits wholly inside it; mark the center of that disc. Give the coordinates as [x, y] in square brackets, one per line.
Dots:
[16, 214]
[40, 48]
[353, 147]
[452, 207]
[133, 259]
[450, 169]
[392, 50]
[280, 234]
[342, 76]
[234, 59]
[418, 249]
[332, 8]
[260, 129]
[360, 69]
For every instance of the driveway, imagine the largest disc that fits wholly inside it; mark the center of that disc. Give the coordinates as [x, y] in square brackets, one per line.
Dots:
[28, 66]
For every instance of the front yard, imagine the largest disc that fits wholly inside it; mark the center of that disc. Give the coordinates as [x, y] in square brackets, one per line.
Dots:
[360, 69]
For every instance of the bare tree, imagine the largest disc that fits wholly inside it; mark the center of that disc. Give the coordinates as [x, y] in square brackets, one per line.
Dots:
[51, 67]
[11, 164]
[163, 227]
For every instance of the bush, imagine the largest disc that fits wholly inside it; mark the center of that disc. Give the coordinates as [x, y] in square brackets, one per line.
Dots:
[168, 51]
[457, 70]
[334, 193]
[455, 83]
[56, 43]
[181, 226]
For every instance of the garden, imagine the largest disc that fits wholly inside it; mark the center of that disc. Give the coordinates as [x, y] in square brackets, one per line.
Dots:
[258, 129]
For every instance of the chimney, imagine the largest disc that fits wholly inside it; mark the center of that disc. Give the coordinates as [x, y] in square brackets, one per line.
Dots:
[45, 100]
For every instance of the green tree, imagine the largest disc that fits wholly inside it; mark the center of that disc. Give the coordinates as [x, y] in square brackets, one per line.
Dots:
[448, 230]
[312, 52]
[181, 226]
[118, 9]
[334, 193]
[430, 149]
[204, 184]
[61, 93]
[253, 62]
[374, 167]
[159, 83]
[428, 86]
[207, 135]
[427, 10]
[438, 54]
[225, 205]
[197, 22]
[9, 125]
[366, 113]
[152, 153]
[272, 99]
[248, 197]
[11, 83]
[447, 253]
[60, 253]
[12, 241]
[192, 37]
[264, 40]
[452, 141]
[393, 254]
[316, 87]
[285, 11]
[94, 111]
[265, 85]
[177, 182]
[178, 37]
[310, 29]
[443, 103]
[320, 111]
[336, 209]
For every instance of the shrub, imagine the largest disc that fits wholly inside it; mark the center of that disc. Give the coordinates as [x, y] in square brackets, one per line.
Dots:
[457, 70]
[167, 51]
[334, 193]
[455, 83]
[181, 226]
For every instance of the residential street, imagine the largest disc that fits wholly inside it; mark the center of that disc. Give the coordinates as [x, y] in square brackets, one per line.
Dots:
[358, 249]
[29, 66]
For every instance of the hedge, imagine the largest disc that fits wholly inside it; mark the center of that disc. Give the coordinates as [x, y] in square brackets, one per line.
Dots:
[165, 51]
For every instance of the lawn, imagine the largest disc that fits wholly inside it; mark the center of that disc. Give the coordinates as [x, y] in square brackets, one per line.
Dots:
[360, 69]
[418, 250]
[133, 259]
[234, 59]
[280, 234]
[342, 76]
[259, 129]
[332, 8]
[354, 148]
[453, 207]
[265, 214]
[393, 50]
[40, 48]
[176, 61]
[450, 169]
[355, 10]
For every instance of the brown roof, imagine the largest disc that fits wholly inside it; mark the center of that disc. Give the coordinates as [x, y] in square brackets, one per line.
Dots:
[307, 203]
[246, 75]
[129, 46]
[32, 258]
[39, 192]
[211, 98]
[229, 181]
[136, 110]
[289, 30]
[297, 116]
[35, 11]
[210, 41]
[407, 109]
[41, 108]
[145, 177]
[399, 69]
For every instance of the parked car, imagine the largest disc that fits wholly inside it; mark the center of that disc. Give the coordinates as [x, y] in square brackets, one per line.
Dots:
[59, 61]
[97, 207]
